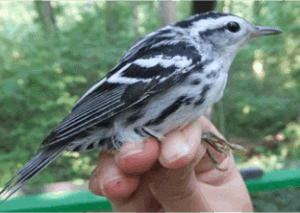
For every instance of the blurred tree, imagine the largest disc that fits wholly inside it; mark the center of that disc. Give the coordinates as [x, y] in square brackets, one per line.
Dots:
[46, 16]
[112, 21]
[169, 12]
[256, 11]
[136, 20]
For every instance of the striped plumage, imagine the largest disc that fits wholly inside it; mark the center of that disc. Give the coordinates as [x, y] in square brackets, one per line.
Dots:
[167, 79]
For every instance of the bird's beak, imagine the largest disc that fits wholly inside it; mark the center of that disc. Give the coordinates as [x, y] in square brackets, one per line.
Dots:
[262, 31]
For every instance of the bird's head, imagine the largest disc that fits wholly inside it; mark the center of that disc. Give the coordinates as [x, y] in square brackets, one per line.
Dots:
[225, 32]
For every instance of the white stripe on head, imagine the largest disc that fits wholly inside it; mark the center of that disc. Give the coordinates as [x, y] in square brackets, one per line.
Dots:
[210, 24]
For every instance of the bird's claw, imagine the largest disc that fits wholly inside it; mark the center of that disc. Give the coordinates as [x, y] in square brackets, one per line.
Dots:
[213, 140]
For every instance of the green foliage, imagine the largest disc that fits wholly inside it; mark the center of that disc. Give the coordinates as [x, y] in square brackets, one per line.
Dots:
[285, 200]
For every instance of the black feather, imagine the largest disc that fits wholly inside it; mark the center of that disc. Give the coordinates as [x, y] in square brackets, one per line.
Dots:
[31, 169]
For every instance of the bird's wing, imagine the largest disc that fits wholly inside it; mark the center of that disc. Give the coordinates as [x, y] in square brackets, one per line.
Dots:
[130, 82]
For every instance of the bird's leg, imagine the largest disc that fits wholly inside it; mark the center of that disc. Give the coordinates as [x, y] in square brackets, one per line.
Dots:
[220, 145]
[155, 135]
[213, 160]
[215, 142]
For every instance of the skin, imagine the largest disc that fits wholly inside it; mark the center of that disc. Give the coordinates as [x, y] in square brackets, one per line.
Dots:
[173, 175]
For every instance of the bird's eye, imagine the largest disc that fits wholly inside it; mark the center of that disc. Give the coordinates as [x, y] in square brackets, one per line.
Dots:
[233, 27]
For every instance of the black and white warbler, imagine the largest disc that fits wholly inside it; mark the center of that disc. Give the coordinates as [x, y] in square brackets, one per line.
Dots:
[167, 79]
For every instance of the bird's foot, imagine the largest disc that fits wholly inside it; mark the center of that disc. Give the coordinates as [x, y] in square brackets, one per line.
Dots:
[220, 145]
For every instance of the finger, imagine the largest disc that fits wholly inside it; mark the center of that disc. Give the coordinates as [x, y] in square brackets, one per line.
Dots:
[212, 176]
[170, 186]
[168, 183]
[206, 163]
[137, 157]
[141, 200]
[109, 181]
[230, 195]
[180, 146]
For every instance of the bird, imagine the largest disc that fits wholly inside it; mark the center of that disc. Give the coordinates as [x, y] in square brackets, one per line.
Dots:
[166, 80]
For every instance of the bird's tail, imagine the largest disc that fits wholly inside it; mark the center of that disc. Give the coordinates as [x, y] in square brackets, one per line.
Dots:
[31, 169]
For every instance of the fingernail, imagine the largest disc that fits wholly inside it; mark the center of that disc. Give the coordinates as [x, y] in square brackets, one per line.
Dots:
[109, 183]
[112, 185]
[130, 149]
[119, 187]
[112, 180]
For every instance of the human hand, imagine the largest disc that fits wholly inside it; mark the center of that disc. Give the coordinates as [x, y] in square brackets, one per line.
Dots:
[174, 175]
